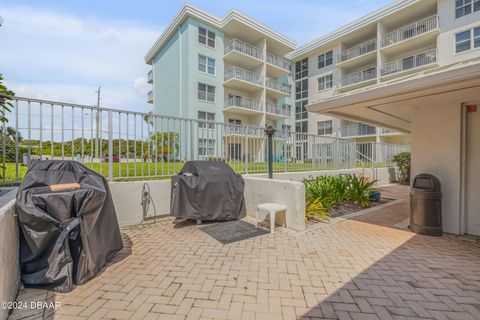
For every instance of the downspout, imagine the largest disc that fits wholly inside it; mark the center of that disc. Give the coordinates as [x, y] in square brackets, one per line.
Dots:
[180, 67]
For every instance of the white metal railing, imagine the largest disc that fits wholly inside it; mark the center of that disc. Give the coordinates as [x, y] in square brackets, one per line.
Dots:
[378, 154]
[357, 130]
[283, 110]
[387, 131]
[359, 76]
[273, 84]
[279, 62]
[243, 74]
[150, 96]
[412, 62]
[410, 31]
[243, 102]
[359, 50]
[150, 76]
[243, 47]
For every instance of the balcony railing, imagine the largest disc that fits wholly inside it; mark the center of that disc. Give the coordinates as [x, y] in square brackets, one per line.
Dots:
[387, 131]
[150, 96]
[410, 31]
[359, 50]
[283, 110]
[358, 77]
[243, 102]
[243, 47]
[273, 84]
[412, 62]
[279, 62]
[150, 76]
[243, 74]
[357, 130]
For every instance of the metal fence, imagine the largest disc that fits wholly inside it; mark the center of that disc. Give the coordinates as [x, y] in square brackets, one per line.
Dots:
[131, 145]
[376, 154]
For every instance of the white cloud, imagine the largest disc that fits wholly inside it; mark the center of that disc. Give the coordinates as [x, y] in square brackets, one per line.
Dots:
[64, 57]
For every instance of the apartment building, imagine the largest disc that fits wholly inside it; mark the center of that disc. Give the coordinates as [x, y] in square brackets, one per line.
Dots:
[426, 83]
[227, 69]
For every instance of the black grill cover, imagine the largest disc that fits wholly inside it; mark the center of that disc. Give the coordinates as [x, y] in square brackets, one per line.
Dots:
[66, 236]
[207, 190]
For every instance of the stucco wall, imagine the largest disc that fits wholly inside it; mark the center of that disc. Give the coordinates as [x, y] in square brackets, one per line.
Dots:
[288, 193]
[9, 254]
[436, 149]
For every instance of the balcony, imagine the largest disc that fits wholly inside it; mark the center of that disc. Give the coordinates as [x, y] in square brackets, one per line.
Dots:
[242, 79]
[277, 66]
[243, 105]
[359, 55]
[251, 132]
[359, 78]
[388, 131]
[358, 130]
[277, 90]
[243, 54]
[150, 96]
[413, 63]
[150, 76]
[423, 31]
[278, 112]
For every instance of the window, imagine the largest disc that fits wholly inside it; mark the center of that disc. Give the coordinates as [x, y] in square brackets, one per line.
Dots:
[206, 92]
[206, 64]
[301, 89]
[465, 7]
[325, 82]
[235, 121]
[301, 127]
[286, 127]
[325, 127]
[206, 119]
[301, 69]
[467, 40]
[206, 147]
[300, 110]
[325, 59]
[206, 37]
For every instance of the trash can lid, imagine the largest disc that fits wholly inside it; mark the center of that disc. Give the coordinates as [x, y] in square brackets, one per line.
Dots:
[427, 183]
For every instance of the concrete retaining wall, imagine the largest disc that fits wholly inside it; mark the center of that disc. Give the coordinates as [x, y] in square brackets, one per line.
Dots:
[289, 193]
[9, 253]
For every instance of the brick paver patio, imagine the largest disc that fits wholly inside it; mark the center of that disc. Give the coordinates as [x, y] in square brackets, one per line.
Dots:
[362, 268]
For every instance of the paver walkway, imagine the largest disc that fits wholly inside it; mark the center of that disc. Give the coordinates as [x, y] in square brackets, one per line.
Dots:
[357, 269]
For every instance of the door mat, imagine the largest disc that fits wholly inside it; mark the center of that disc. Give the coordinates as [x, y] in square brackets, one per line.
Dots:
[232, 231]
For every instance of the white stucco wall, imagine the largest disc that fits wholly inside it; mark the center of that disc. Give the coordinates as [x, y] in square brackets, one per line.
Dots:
[9, 255]
[288, 193]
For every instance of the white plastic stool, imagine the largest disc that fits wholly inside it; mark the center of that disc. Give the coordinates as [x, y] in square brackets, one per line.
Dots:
[272, 209]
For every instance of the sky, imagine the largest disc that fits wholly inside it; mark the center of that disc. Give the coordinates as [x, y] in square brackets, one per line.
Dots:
[64, 50]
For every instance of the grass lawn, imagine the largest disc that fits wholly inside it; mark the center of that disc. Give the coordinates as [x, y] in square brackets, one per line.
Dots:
[159, 170]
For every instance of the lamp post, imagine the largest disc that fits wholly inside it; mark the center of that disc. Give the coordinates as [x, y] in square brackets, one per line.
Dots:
[270, 130]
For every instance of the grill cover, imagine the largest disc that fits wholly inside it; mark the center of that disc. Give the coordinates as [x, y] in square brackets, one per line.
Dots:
[207, 190]
[66, 236]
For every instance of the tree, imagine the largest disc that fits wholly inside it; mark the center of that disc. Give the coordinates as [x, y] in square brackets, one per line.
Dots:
[6, 96]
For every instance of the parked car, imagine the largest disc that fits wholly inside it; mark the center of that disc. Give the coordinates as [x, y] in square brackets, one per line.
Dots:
[115, 158]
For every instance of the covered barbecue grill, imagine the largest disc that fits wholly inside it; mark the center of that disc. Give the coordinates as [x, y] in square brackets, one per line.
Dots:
[69, 229]
[207, 190]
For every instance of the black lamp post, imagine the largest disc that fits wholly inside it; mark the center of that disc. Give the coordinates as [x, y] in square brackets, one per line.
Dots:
[270, 131]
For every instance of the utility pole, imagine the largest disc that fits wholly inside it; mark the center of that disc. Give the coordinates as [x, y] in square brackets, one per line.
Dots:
[97, 124]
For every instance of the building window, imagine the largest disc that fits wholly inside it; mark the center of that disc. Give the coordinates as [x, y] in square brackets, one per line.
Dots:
[206, 119]
[300, 110]
[286, 127]
[465, 7]
[325, 127]
[206, 64]
[206, 37]
[235, 121]
[301, 68]
[325, 59]
[301, 127]
[325, 82]
[206, 147]
[301, 89]
[467, 40]
[206, 92]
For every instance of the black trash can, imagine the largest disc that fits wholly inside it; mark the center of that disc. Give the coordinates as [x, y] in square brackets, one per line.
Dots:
[426, 205]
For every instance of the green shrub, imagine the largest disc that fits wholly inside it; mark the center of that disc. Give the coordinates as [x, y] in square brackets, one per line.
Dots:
[403, 161]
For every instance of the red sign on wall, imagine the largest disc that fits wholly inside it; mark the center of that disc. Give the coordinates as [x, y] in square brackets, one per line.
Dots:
[472, 108]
